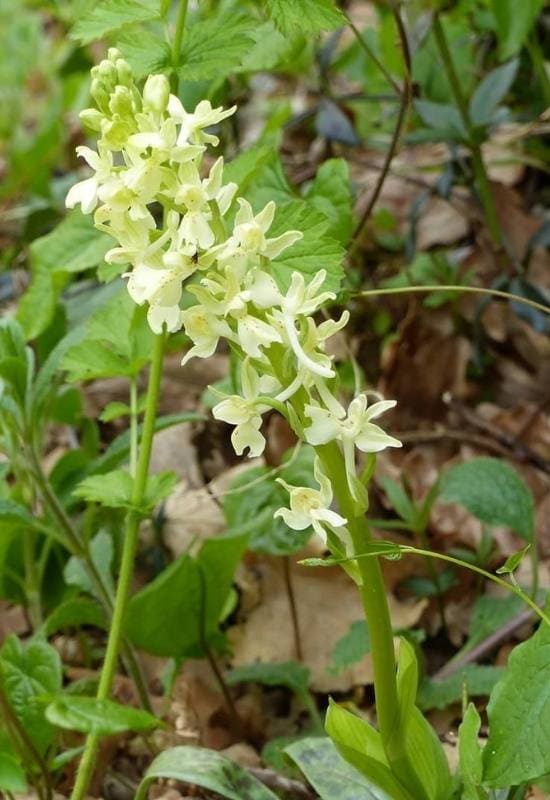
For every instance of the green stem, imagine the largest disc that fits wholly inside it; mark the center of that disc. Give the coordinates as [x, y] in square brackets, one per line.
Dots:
[177, 42]
[457, 288]
[537, 59]
[375, 604]
[87, 762]
[133, 427]
[32, 578]
[480, 173]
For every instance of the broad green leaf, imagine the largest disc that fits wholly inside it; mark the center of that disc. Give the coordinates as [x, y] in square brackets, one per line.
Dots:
[493, 492]
[92, 359]
[73, 614]
[442, 118]
[361, 746]
[330, 193]
[470, 755]
[491, 91]
[28, 671]
[108, 16]
[351, 648]
[519, 716]
[315, 251]
[308, 16]
[36, 309]
[477, 680]
[147, 52]
[195, 590]
[198, 766]
[73, 246]
[104, 717]
[489, 614]
[514, 23]
[245, 167]
[330, 775]
[101, 549]
[12, 774]
[269, 182]
[263, 497]
[285, 673]
[114, 489]
[216, 46]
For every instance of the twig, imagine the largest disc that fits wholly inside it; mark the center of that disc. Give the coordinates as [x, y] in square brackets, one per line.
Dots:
[486, 646]
[293, 608]
[420, 437]
[296, 789]
[406, 95]
[374, 58]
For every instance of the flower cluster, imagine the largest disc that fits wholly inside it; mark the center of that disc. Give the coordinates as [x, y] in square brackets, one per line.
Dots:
[175, 222]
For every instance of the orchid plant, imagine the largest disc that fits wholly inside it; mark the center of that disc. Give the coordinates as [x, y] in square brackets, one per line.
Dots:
[179, 227]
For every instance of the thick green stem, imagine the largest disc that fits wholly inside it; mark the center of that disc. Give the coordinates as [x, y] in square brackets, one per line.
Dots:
[480, 173]
[86, 765]
[133, 427]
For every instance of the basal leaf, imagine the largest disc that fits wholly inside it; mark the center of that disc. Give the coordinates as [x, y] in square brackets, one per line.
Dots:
[192, 589]
[329, 774]
[104, 717]
[493, 492]
[470, 755]
[519, 716]
[28, 671]
[198, 766]
[73, 614]
[108, 16]
[477, 680]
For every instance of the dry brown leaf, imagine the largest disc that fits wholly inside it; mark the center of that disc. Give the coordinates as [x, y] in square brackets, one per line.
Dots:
[327, 602]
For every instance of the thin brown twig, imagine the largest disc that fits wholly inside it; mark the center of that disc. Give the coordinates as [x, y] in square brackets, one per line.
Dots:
[486, 646]
[293, 608]
[406, 95]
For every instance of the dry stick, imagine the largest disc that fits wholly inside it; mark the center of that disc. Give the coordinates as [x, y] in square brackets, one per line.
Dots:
[293, 608]
[422, 437]
[288, 786]
[484, 648]
[406, 95]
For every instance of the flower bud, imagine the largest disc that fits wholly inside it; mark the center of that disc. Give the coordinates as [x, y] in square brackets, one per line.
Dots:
[91, 118]
[121, 102]
[115, 132]
[124, 72]
[156, 92]
[108, 73]
[113, 54]
[100, 95]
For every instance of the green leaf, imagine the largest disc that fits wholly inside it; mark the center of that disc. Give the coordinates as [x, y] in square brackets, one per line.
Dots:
[477, 680]
[361, 746]
[470, 755]
[75, 613]
[330, 193]
[514, 23]
[30, 670]
[192, 589]
[493, 492]
[315, 251]
[215, 47]
[103, 717]
[36, 309]
[115, 489]
[329, 774]
[351, 648]
[248, 165]
[491, 91]
[198, 766]
[75, 572]
[15, 514]
[114, 410]
[400, 500]
[108, 16]
[291, 674]
[489, 614]
[12, 775]
[73, 246]
[307, 16]
[519, 716]
[147, 53]
[441, 117]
